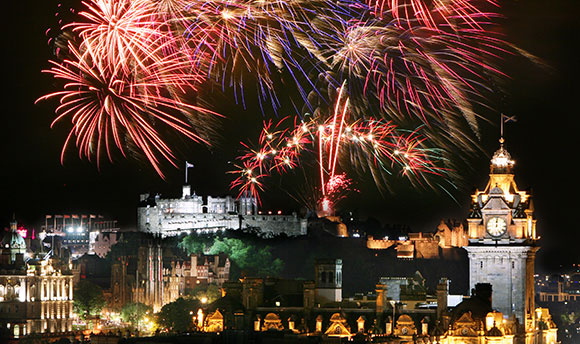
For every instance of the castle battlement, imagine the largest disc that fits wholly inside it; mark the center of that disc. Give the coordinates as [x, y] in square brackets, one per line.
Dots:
[174, 216]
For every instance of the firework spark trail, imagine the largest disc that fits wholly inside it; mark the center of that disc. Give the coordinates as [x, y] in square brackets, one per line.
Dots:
[108, 106]
[119, 33]
[414, 58]
[433, 14]
[124, 79]
[426, 76]
[281, 149]
[261, 38]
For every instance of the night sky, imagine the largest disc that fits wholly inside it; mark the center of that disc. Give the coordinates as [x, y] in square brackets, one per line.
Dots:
[543, 141]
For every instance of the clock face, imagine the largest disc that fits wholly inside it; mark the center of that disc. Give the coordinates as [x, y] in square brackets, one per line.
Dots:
[496, 226]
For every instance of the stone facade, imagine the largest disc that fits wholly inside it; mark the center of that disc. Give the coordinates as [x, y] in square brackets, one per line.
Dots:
[502, 241]
[153, 275]
[80, 233]
[328, 280]
[36, 293]
[507, 269]
[173, 216]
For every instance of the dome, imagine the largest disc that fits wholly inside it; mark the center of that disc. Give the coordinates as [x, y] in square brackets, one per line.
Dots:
[271, 317]
[13, 240]
[501, 162]
[495, 332]
[337, 317]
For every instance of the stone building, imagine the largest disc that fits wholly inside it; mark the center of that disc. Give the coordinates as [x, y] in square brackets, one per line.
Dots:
[147, 269]
[80, 233]
[173, 216]
[36, 293]
[501, 244]
[503, 241]
[563, 288]
[449, 234]
[328, 280]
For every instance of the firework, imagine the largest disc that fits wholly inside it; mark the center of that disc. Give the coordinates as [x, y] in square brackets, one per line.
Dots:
[370, 142]
[123, 82]
[433, 14]
[403, 60]
[111, 108]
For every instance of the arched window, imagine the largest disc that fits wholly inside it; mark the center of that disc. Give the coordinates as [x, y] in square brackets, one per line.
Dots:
[9, 292]
[44, 291]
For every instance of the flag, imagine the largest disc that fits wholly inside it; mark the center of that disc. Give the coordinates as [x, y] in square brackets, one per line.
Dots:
[506, 119]
[188, 165]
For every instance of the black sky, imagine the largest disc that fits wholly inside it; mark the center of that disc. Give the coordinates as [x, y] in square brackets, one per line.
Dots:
[544, 141]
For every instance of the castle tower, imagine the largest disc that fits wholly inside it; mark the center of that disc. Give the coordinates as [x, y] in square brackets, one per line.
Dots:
[502, 241]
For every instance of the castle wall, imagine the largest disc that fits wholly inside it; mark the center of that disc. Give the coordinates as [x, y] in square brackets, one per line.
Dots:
[173, 216]
[291, 225]
[426, 249]
[379, 244]
[422, 248]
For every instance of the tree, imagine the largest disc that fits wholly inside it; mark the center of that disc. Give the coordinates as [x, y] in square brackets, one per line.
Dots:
[134, 312]
[88, 299]
[196, 244]
[249, 258]
[205, 293]
[177, 316]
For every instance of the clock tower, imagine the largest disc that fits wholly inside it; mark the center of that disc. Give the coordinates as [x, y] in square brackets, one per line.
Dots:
[502, 241]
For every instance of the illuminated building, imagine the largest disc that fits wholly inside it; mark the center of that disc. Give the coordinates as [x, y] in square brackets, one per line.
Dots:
[449, 234]
[328, 280]
[174, 216]
[500, 238]
[80, 233]
[559, 288]
[501, 251]
[36, 295]
[149, 271]
[502, 241]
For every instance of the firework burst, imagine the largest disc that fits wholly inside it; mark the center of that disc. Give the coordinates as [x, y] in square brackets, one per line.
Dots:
[370, 143]
[111, 108]
[123, 81]
[130, 65]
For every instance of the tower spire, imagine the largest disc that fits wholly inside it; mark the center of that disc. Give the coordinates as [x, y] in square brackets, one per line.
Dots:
[501, 161]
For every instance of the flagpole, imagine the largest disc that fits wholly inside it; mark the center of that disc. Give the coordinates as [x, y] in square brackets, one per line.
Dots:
[501, 126]
[186, 168]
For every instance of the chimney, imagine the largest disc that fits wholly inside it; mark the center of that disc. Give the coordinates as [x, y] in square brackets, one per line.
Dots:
[483, 291]
[381, 290]
[442, 293]
[381, 303]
